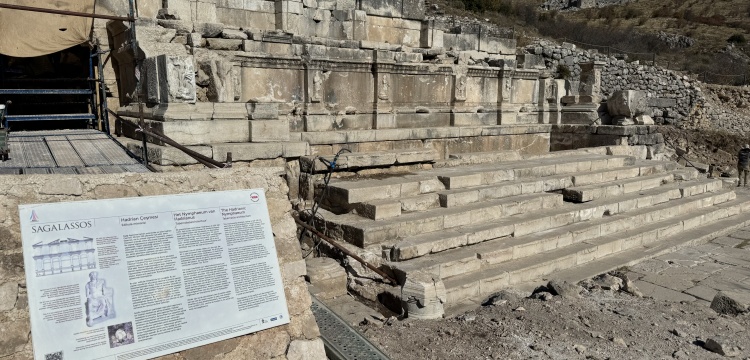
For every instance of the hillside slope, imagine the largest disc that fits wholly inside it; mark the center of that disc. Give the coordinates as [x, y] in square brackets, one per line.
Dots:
[710, 39]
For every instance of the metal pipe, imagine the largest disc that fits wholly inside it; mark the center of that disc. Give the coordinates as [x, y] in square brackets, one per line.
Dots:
[209, 162]
[343, 249]
[144, 143]
[102, 92]
[64, 12]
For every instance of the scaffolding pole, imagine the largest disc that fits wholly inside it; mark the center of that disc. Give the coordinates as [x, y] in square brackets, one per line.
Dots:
[66, 12]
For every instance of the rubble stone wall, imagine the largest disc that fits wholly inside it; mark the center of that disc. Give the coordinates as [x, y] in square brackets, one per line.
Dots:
[672, 96]
[298, 340]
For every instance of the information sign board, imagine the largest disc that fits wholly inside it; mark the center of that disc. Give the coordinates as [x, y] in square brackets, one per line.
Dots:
[137, 278]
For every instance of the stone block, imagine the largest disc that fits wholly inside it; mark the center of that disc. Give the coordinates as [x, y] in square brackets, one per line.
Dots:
[229, 111]
[195, 40]
[170, 79]
[209, 29]
[413, 9]
[269, 130]
[223, 80]
[423, 296]
[378, 210]
[627, 104]
[224, 44]
[384, 8]
[9, 294]
[306, 350]
[327, 276]
[203, 11]
[461, 181]
[180, 8]
[233, 34]
[263, 111]
[731, 303]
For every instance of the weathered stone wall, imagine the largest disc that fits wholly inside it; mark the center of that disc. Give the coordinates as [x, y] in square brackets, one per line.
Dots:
[645, 137]
[298, 340]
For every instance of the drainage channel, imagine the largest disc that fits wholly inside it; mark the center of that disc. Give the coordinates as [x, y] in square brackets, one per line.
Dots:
[342, 342]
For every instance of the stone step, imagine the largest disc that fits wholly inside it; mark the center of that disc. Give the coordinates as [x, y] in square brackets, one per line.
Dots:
[366, 232]
[486, 157]
[469, 258]
[463, 177]
[640, 168]
[654, 235]
[616, 188]
[385, 209]
[463, 196]
[348, 161]
[345, 193]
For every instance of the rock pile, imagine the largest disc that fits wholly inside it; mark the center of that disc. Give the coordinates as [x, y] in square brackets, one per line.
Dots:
[676, 41]
[579, 4]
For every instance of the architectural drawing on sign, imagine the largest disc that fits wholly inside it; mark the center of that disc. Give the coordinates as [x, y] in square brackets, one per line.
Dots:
[100, 303]
[64, 255]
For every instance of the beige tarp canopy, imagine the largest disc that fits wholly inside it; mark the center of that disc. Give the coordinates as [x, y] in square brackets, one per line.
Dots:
[29, 34]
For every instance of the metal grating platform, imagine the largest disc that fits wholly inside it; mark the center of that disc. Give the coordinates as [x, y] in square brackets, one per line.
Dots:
[67, 152]
[341, 340]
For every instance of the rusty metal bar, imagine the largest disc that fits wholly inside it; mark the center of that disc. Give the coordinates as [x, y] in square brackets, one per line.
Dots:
[65, 12]
[209, 162]
[343, 249]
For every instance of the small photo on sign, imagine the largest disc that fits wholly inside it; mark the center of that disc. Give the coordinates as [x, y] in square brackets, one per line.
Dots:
[54, 356]
[120, 334]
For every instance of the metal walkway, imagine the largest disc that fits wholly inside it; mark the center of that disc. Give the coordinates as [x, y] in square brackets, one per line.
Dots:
[342, 342]
[83, 151]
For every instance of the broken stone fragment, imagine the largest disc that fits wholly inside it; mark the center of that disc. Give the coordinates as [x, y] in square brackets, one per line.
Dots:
[627, 285]
[722, 346]
[564, 289]
[731, 303]
[625, 105]
[608, 282]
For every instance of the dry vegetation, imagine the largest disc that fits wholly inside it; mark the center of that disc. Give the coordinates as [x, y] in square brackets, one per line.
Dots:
[720, 28]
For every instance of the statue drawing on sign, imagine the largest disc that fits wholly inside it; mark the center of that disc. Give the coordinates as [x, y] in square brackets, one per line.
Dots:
[99, 300]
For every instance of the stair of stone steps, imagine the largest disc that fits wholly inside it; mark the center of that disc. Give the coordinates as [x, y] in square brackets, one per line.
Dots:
[348, 161]
[463, 177]
[346, 194]
[365, 232]
[524, 223]
[658, 235]
[467, 259]
[691, 237]
[498, 190]
[626, 186]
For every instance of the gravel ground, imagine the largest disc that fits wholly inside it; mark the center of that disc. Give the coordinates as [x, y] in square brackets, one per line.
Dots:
[601, 324]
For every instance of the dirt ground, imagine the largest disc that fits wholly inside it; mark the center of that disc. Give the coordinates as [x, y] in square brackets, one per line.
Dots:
[706, 146]
[601, 325]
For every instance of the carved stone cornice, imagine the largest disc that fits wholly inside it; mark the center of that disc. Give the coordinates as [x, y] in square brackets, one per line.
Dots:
[526, 74]
[271, 62]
